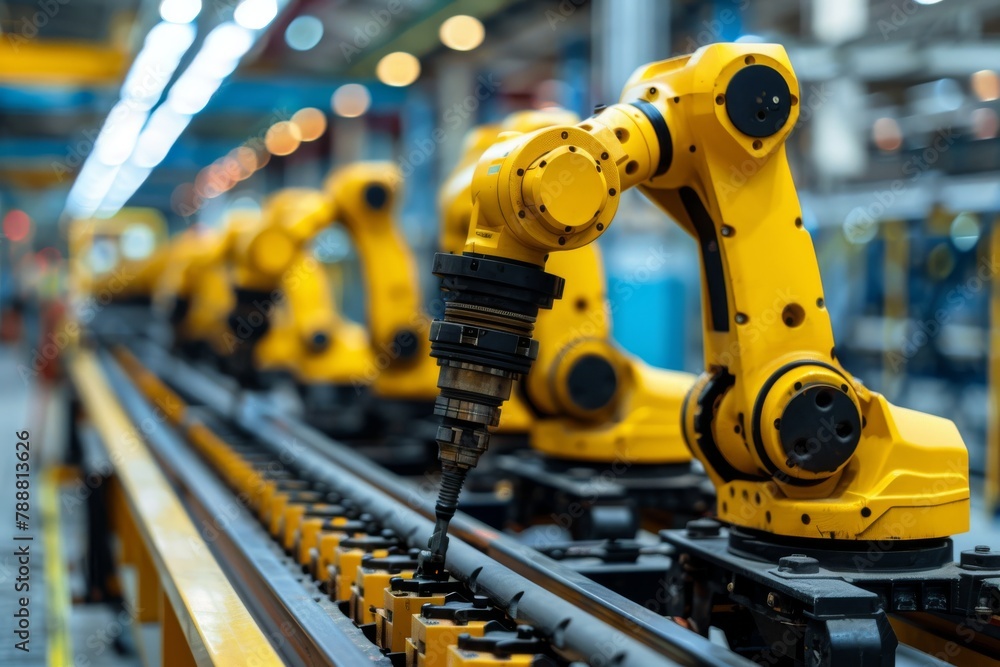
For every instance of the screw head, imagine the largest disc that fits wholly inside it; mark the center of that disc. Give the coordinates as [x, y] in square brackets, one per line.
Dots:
[772, 600]
[703, 528]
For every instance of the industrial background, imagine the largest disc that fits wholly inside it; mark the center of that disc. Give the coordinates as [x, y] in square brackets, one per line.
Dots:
[134, 129]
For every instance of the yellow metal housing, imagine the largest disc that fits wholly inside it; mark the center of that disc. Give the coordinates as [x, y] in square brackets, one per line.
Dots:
[639, 421]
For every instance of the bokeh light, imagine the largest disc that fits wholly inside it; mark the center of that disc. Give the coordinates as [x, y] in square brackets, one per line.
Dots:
[462, 33]
[16, 225]
[304, 32]
[351, 100]
[283, 138]
[887, 135]
[986, 85]
[398, 69]
[311, 123]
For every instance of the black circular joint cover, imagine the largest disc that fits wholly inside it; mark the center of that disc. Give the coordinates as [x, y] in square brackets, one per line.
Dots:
[319, 341]
[820, 428]
[758, 101]
[592, 382]
[376, 195]
[405, 341]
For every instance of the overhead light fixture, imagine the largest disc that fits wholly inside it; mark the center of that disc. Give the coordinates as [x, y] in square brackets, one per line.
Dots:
[304, 32]
[398, 69]
[104, 188]
[180, 11]
[351, 100]
[246, 158]
[255, 14]
[462, 32]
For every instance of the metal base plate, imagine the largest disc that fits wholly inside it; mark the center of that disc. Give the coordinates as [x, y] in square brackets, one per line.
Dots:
[814, 610]
[598, 500]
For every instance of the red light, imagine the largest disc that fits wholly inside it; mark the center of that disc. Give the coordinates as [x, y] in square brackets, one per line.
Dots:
[16, 225]
[50, 255]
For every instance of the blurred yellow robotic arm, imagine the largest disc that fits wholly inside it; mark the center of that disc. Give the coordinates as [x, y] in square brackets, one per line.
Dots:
[306, 336]
[364, 195]
[793, 443]
[195, 292]
[329, 349]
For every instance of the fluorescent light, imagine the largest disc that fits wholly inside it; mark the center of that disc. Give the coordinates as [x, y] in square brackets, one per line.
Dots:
[164, 128]
[227, 41]
[119, 134]
[191, 93]
[88, 190]
[256, 14]
[180, 11]
[121, 191]
[216, 60]
[107, 187]
[152, 69]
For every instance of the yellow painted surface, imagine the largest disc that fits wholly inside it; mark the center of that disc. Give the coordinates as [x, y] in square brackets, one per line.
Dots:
[211, 617]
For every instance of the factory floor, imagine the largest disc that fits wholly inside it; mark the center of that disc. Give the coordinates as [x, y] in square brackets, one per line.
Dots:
[97, 635]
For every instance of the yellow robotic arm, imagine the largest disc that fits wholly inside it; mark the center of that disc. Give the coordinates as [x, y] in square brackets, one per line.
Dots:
[259, 255]
[794, 444]
[595, 402]
[196, 292]
[330, 349]
[364, 195]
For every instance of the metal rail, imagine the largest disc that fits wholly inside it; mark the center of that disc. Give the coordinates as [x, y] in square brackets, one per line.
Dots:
[305, 627]
[400, 505]
[540, 586]
[217, 625]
